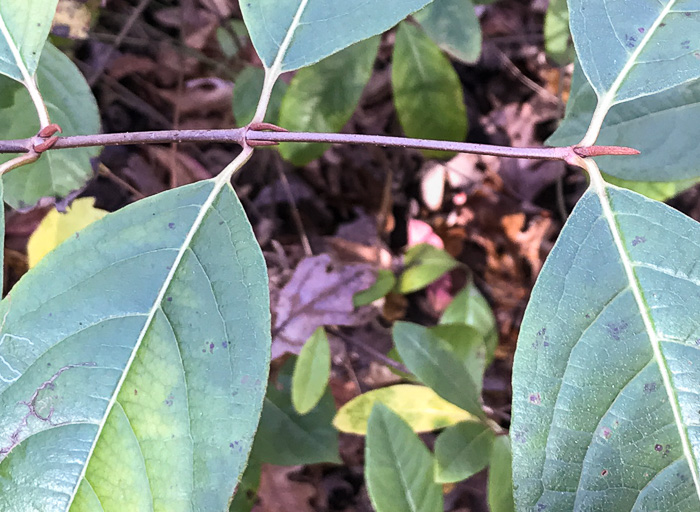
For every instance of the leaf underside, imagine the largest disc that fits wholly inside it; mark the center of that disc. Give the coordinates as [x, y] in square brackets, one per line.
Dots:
[138, 348]
[593, 421]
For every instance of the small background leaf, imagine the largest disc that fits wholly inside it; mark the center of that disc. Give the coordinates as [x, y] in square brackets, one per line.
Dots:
[427, 90]
[432, 360]
[500, 483]
[72, 105]
[461, 451]
[246, 91]
[454, 27]
[419, 406]
[286, 438]
[424, 263]
[384, 284]
[469, 307]
[398, 466]
[57, 227]
[311, 372]
[322, 97]
[557, 37]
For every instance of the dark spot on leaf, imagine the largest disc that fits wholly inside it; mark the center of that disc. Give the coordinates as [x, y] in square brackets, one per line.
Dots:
[604, 472]
[204, 350]
[230, 445]
[541, 507]
[224, 344]
[615, 330]
[169, 401]
[136, 392]
[221, 222]
[685, 44]
[535, 399]
[169, 299]
[519, 436]
[641, 30]
[688, 14]
[606, 432]
[638, 240]
[658, 447]
[77, 235]
[630, 41]
[211, 348]
[171, 225]
[662, 24]
[588, 315]
[650, 387]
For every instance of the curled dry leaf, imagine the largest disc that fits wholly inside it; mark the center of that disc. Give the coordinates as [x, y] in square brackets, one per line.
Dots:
[319, 293]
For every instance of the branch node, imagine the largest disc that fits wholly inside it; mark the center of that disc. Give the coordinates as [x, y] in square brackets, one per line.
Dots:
[46, 138]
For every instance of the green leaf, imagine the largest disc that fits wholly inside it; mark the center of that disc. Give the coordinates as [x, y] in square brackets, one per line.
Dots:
[286, 438]
[246, 91]
[419, 406]
[462, 451]
[557, 37]
[467, 344]
[311, 372]
[432, 360]
[673, 115]
[427, 90]
[606, 379]
[632, 51]
[24, 27]
[56, 227]
[322, 97]
[148, 337]
[398, 466]
[469, 307]
[70, 104]
[500, 483]
[386, 280]
[424, 263]
[454, 27]
[291, 34]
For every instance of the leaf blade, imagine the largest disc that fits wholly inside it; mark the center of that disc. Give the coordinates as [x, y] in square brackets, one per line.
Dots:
[311, 372]
[579, 405]
[141, 362]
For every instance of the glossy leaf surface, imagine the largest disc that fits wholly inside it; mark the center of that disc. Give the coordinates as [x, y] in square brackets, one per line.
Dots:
[424, 263]
[658, 125]
[606, 379]
[152, 345]
[632, 51]
[384, 284]
[427, 90]
[398, 466]
[70, 104]
[419, 406]
[322, 97]
[291, 34]
[24, 27]
[454, 27]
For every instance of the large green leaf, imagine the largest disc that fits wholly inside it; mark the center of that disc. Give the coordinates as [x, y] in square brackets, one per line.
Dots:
[398, 466]
[24, 27]
[629, 51]
[285, 437]
[454, 27]
[606, 379]
[427, 90]
[70, 104]
[322, 97]
[134, 360]
[632, 50]
[291, 34]
[434, 362]
[658, 125]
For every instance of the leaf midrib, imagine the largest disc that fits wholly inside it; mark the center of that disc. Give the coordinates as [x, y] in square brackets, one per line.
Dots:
[205, 207]
[601, 189]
